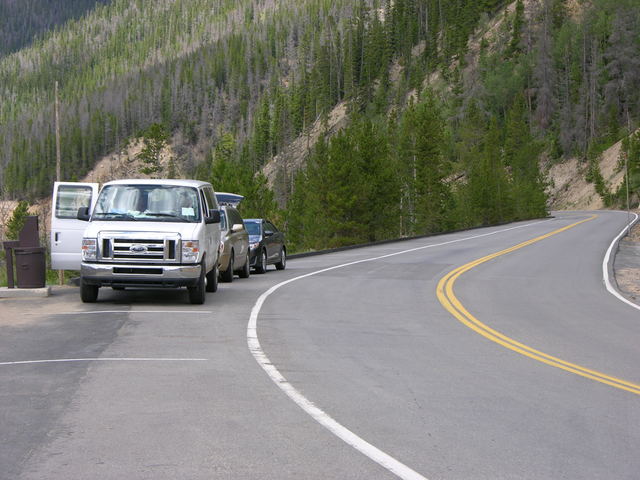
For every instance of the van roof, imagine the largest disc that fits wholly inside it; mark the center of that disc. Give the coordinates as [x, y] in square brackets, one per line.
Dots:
[163, 181]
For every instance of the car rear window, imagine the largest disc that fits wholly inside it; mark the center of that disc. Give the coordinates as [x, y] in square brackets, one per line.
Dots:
[252, 227]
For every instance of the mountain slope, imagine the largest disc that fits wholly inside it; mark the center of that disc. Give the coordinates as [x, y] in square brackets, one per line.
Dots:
[22, 21]
[199, 66]
[244, 84]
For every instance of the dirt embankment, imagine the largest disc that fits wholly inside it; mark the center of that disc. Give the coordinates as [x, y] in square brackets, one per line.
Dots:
[568, 188]
[118, 165]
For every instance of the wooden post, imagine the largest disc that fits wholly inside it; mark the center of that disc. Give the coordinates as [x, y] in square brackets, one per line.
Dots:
[57, 121]
[57, 112]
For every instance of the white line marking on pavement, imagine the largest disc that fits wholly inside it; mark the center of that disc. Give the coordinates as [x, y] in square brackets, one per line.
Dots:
[105, 359]
[134, 311]
[375, 454]
[605, 267]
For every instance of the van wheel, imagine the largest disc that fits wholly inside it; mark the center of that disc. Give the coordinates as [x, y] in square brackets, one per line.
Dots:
[212, 279]
[281, 265]
[246, 270]
[88, 293]
[261, 266]
[227, 275]
[197, 292]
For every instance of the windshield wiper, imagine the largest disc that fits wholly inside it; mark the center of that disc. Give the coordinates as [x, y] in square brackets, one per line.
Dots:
[168, 215]
[128, 216]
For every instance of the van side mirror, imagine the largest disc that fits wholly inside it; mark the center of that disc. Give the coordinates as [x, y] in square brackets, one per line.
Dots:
[268, 233]
[213, 217]
[83, 214]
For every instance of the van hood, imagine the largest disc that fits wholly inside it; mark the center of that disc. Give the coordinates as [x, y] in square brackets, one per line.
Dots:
[186, 230]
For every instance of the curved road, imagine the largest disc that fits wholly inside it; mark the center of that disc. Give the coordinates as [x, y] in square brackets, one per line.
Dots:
[451, 385]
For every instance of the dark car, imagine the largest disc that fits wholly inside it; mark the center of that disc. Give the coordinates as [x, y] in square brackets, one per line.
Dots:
[234, 245]
[266, 243]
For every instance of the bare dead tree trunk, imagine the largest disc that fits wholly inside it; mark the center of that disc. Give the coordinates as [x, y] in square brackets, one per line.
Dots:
[584, 76]
[592, 90]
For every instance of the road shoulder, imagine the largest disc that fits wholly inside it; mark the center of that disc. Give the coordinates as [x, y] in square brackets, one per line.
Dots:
[626, 265]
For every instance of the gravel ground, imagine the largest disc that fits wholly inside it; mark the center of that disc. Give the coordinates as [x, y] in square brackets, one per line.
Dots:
[627, 265]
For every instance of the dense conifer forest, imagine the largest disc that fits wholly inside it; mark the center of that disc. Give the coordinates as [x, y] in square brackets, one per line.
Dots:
[21, 21]
[451, 105]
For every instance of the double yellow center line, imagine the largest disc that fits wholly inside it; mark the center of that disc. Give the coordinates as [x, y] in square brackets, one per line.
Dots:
[451, 303]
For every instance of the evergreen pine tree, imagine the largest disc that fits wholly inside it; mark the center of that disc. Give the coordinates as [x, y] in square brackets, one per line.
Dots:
[425, 167]
[154, 139]
[17, 220]
[521, 154]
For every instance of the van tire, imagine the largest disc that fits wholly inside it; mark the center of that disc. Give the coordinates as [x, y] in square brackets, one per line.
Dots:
[212, 279]
[88, 293]
[197, 292]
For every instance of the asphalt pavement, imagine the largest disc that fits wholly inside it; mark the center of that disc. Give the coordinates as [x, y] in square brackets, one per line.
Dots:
[153, 388]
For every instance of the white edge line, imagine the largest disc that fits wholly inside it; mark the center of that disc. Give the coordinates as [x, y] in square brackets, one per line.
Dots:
[605, 266]
[372, 452]
[105, 359]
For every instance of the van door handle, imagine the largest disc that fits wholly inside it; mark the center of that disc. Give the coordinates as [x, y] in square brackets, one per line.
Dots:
[56, 237]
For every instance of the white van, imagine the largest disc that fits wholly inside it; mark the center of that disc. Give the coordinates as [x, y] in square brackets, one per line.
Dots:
[140, 233]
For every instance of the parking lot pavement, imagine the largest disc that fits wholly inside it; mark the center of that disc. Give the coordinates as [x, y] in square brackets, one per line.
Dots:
[33, 397]
[21, 310]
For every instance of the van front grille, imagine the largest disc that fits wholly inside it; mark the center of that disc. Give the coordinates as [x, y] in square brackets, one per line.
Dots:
[120, 247]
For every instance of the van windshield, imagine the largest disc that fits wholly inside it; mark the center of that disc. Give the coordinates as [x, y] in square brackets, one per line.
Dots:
[148, 203]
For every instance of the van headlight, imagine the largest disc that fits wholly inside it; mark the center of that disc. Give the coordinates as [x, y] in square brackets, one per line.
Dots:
[190, 251]
[89, 249]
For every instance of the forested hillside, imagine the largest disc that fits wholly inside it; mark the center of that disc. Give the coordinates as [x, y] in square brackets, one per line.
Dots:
[21, 21]
[451, 105]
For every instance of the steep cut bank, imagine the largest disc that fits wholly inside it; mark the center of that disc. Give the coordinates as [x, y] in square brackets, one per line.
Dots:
[568, 188]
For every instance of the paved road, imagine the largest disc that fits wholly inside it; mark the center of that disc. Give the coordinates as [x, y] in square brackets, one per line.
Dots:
[177, 393]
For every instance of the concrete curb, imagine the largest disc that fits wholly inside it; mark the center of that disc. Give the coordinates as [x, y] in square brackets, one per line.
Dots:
[24, 292]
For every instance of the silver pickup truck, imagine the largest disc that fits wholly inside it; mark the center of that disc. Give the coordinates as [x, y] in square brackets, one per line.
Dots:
[141, 233]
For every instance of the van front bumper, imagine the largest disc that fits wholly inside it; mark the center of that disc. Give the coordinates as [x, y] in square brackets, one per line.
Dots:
[136, 275]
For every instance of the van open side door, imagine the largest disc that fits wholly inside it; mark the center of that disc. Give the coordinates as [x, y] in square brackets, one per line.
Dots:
[66, 229]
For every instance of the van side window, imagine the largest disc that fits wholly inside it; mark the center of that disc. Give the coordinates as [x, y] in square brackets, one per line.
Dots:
[211, 198]
[70, 199]
[205, 206]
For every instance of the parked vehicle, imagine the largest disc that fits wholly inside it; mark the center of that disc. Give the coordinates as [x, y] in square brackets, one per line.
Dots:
[267, 245]
[234, 245]
[145, 233]
[232, 199]
[66, 229]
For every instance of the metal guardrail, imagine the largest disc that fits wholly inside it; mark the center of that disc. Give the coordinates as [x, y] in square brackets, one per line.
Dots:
[395, 240]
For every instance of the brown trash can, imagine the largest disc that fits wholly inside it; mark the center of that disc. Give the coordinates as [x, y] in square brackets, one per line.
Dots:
[31, 267]
[8, 248]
